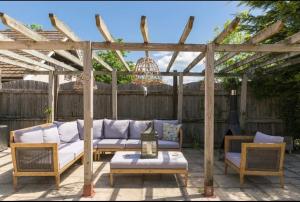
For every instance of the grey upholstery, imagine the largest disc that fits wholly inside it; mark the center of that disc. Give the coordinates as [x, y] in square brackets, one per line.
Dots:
[133, 144]
[234, 158]
[32, 135]
[75, 147]
[65, 158]
[116, 129]
[97, 129]
[158, 126]
[163, 144]
[165, 160]
[264, 138]
[68, 131]
[111, 144]
[51, 135]
[137, 127]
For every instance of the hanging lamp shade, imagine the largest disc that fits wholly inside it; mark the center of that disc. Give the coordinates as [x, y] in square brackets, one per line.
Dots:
[147, 72]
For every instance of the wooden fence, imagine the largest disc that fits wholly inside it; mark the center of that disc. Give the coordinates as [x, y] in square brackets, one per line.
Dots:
[22, 104]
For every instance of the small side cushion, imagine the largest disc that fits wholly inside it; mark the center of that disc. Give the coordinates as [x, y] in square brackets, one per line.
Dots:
[170, 132]
[97, 129]
[163, 144]
[234, 158]
[158, 126]
[31, 135]
[68, 131]
[264, 138]
[116, 129]
[50, 134]
[111, 144]
[137, 127]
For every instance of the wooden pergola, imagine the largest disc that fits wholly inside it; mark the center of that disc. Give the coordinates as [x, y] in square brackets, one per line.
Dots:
[86, 53]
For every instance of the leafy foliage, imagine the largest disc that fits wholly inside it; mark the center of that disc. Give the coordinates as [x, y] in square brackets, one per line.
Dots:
[111, 58]
[35, 27]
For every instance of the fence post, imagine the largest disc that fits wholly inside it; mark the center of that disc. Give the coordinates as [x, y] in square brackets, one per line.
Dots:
[180, 98]
[243, 103]
[51, 96]
[175, 96]
[114, 94]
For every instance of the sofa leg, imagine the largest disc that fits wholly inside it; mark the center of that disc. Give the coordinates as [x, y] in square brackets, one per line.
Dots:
[57, 181]
[282, 181]
[82, 160]
[111, 179]
[241, 179]
[15, 182]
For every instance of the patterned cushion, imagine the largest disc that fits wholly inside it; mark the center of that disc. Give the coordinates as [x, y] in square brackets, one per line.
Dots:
[158, 126]
[116, 129]
[264, 138]
[68, 131]
[31, 135]
[170, 132]
[51, 134]
[97, 128]
[137, 127]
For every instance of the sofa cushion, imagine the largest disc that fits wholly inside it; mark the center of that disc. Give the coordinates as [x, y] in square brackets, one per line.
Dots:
[133, 144]
[234, 158]
[65, 158]
[74, 147]
[170, 132]
[158, 126]
[116, 129]
[264, 138]
[68, 131]
[111, 144]
[31, 135]
[50, 134]
[163, 144]
[97, 128]
[137, 127]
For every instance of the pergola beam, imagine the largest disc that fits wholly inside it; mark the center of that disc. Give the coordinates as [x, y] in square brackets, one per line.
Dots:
[20, 64]
[18, 26]
[41, 55]
[259, 37]
[144, 31]
[227, 31]
[195, 62]
[64, 29]
[275, 48]
[187, 30]
[108, 38]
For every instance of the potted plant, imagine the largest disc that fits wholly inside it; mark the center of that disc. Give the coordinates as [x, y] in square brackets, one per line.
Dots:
[48, 112]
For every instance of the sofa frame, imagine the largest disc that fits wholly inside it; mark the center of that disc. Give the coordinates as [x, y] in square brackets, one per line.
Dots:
[246, 147]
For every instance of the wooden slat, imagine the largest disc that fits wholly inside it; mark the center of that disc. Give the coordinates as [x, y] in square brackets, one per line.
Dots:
[107, 36]
[88, 121]
[209, 123]
[194, 62]
[259, 37]
[41, 45]
[20, 64]
[275, 48]
[114, 95]
[291, 62]
[63, 28]
[243, 104]
[180, 98]
[18, 26]
[227, 31]
[187, 29]
[144, 31]
[40, 55]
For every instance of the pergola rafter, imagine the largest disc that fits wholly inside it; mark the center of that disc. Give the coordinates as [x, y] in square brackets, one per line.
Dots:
[144, 31]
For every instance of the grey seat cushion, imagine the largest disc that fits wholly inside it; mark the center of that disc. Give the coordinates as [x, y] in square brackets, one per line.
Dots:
[97, 128]
[165, 160]
[158, 126]
[234, 158]
[111, 144]
[116, 129]
[137, 127]
[31, 135]
[76, 148]
[133, 144]
[264, 138]
[50, 134]
[65, 158]
[68, 131]
[163, 144]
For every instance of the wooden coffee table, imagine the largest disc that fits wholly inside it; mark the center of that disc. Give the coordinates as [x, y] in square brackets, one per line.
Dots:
[129, 162]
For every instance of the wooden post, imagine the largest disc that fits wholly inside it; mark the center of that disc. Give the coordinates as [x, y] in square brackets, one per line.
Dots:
[243, 104]
[0, 79]
[175, 96]
[56, 90]
[114, 94]
[88, 189]
[51, 96]
[209, 123]
[180, 98]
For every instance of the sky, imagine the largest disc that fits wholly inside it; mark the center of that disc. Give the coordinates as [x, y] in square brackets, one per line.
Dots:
[166, 21]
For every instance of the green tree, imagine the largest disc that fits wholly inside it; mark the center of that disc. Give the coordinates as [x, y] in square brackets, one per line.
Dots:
[111, 58]
[35, 27]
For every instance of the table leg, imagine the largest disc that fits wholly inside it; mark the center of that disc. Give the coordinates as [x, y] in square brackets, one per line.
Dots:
[186, 177]
[111, 179]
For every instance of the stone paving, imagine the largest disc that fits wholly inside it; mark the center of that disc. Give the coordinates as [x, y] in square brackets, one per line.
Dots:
[152, 187]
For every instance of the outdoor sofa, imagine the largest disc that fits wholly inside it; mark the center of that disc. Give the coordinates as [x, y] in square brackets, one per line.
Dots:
[255, 155]
[50, 149]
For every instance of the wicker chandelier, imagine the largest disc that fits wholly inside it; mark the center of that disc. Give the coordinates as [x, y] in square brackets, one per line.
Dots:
[147, 72]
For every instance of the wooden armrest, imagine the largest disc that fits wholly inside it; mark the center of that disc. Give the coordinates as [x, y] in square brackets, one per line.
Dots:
[34, 145]
[230, 138]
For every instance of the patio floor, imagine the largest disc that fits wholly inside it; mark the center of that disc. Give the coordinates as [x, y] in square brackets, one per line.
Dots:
[152, 187]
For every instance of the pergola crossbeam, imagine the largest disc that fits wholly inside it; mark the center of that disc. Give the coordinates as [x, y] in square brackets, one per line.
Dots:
[108, 38]
[20, 64]
[187, 30]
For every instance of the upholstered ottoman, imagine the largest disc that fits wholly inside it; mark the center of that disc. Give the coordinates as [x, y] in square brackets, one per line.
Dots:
[129, 162]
